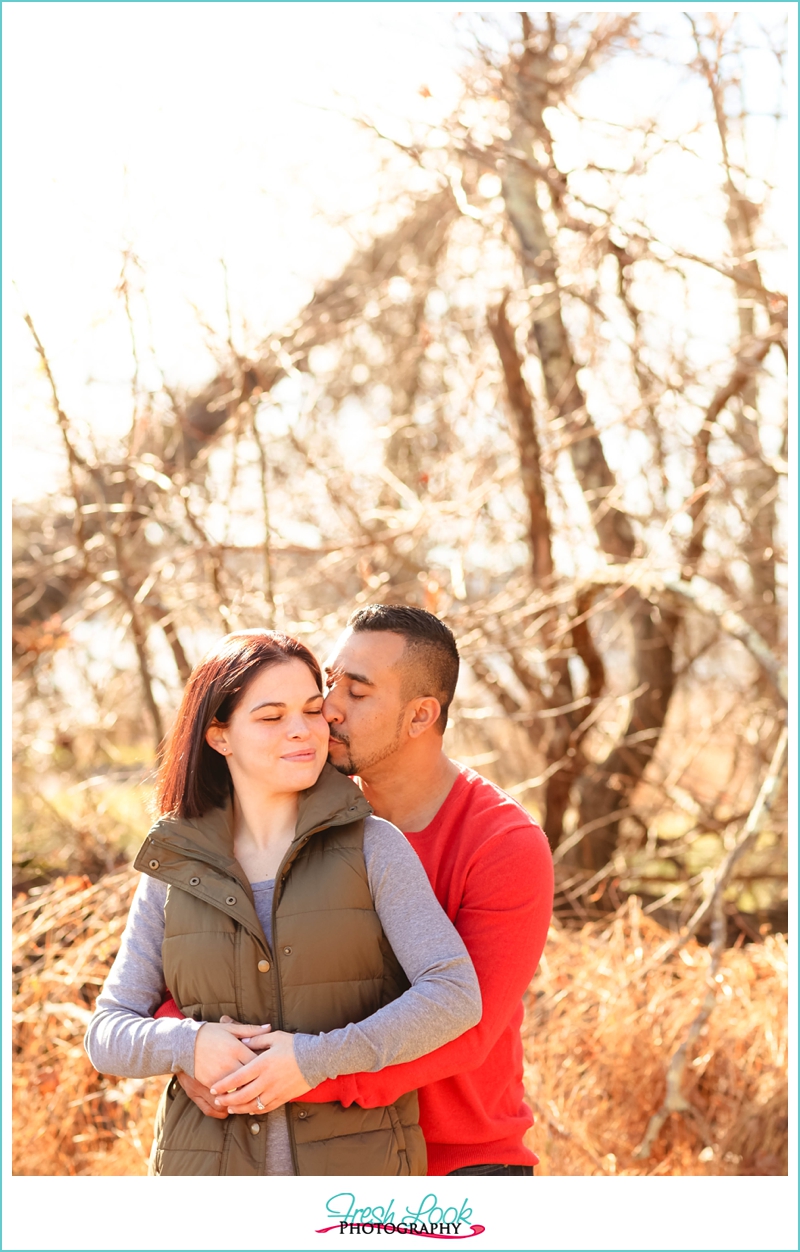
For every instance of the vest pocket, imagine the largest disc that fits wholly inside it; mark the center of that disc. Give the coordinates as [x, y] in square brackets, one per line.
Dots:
[400, 1139]
[331, 1139]
[187, 1143]
[412, 1149]
[181, 1163]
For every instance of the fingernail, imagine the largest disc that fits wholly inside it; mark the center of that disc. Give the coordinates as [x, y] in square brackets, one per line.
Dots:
[213, 1090]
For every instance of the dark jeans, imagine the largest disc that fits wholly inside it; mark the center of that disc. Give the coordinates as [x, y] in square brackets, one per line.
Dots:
[493, 1169]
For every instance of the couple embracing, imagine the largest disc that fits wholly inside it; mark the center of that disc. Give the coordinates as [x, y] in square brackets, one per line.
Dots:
[333, 974]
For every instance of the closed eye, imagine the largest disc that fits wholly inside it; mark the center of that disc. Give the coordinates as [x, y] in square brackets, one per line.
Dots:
[276, 717]
[330, 683]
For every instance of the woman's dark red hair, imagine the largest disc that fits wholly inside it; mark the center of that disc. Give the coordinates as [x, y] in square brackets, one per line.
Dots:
[192, 777]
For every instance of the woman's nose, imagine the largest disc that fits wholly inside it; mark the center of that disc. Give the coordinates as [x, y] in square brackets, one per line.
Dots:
[298, 728]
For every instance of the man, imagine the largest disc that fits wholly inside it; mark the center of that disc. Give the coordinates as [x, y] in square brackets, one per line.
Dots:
[391, 681]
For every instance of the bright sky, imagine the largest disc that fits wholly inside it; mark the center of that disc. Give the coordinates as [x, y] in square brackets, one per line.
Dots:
[190, 132]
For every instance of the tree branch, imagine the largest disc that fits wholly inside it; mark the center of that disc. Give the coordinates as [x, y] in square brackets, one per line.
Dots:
[674, 1101]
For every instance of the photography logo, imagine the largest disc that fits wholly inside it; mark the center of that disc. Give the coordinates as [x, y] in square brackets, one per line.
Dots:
[429, 1220]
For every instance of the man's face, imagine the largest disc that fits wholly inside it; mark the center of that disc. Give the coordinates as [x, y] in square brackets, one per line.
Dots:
[364, 706]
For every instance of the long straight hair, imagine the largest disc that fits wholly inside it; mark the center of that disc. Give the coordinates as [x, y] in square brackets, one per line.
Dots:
[192, 776]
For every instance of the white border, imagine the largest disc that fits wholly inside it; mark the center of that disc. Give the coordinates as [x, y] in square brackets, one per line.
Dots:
[558, 1213]
[518, 1213]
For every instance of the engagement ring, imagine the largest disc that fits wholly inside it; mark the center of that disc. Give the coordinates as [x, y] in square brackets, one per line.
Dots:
[259, 1105]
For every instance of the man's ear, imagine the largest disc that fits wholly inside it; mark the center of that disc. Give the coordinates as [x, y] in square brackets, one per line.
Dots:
[217, 738]
[426, 712]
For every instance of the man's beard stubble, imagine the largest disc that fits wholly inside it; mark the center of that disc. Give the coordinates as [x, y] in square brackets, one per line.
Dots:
[353, 766]
[349, 767]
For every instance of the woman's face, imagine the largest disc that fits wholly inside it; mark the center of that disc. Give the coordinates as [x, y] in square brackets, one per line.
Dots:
[276, 734]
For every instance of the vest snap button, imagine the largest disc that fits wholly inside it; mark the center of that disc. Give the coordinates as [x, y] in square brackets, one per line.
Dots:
[154, 864]
[193, 882]
[263, 967]
[302, 1113]
[255, 1129]
[230, 899]
[288, 951]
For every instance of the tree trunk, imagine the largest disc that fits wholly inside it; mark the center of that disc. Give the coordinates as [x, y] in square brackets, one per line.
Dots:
[605, 787]
[607, 784]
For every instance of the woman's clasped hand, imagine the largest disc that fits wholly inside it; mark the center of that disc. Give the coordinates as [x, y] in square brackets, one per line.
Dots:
[222, 1047]
[240, 1090]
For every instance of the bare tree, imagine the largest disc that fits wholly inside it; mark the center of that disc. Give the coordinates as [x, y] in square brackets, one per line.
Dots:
[502, 408]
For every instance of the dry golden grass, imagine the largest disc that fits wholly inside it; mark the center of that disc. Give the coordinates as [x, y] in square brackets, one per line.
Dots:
[599, 1032]
[67, 1118]
[602, 1026]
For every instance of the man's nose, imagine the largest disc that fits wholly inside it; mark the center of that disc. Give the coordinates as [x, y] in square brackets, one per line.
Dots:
[330, 710]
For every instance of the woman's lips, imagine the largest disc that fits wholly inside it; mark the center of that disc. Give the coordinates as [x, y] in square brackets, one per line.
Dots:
[307, 755]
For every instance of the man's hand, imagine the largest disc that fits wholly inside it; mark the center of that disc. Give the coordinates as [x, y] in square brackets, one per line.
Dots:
[273, 1078]
[201, 1096]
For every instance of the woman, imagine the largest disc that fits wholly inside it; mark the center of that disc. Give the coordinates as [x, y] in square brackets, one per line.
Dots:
[271, 895]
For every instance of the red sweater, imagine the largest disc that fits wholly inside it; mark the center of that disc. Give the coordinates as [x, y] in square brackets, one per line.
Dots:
[491, 869]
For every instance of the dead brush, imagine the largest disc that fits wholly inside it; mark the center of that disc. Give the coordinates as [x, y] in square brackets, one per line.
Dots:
[600, 1029]
[603, 1021]
[67, 1118]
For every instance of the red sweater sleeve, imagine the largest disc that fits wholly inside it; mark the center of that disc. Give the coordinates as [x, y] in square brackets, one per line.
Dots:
[503, 920]
[168, 1008]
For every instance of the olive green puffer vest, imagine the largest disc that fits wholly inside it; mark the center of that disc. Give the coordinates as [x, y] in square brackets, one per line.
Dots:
[330, 964]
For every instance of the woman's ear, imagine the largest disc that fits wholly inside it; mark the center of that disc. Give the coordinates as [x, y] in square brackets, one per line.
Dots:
[217, 738]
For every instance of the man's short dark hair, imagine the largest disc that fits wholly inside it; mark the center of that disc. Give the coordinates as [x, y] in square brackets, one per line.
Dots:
[430, 652]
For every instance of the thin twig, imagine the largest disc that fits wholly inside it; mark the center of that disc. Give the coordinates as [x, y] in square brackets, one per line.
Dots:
[714, 903]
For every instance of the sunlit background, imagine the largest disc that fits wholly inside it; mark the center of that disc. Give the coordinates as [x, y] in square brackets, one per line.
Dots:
[312, 305]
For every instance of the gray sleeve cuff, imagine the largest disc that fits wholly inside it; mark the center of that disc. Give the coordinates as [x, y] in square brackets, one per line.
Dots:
[311, 1059]
[132, 1046]
[183, 1047]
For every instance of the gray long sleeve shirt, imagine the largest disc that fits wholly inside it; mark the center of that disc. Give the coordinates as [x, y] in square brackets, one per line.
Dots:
[442, 1002]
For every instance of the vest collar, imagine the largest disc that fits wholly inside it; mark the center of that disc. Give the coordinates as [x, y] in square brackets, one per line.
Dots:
[176, 847]
[334, 800]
